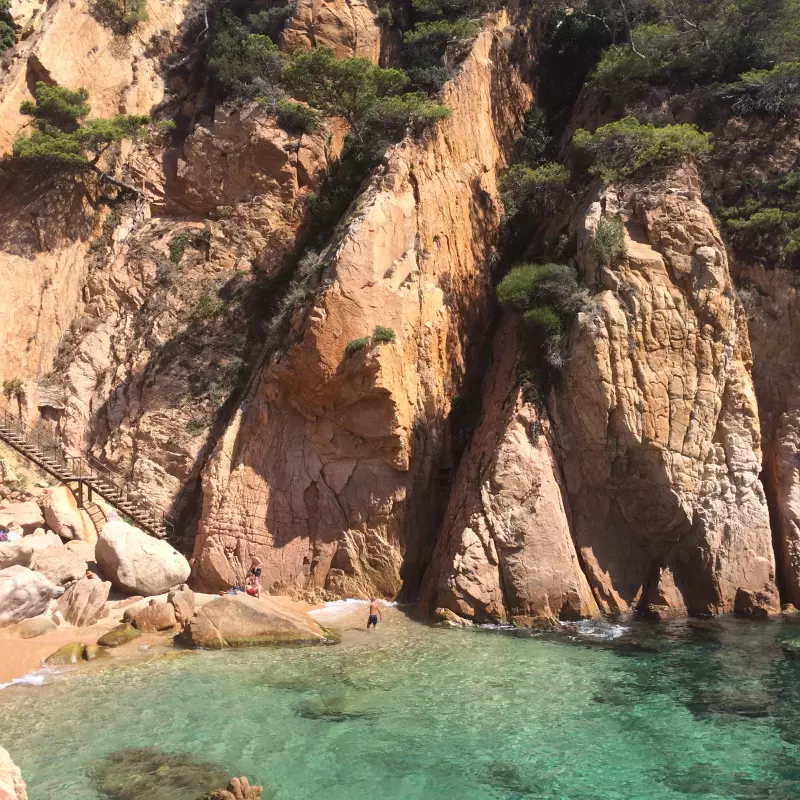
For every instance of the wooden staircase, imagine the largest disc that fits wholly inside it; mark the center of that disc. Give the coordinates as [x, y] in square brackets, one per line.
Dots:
[85, 476]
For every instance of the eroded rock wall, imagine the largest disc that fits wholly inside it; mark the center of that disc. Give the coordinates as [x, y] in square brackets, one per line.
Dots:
[505, 551]
[657, 421]
[329, 470]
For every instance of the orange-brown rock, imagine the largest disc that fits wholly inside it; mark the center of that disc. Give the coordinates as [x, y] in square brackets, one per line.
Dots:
[348, 27]
[84, 602]
[154, 617]
[328, 471]
[505, 550]
[771, 301]
[657, 421]
[12, 787]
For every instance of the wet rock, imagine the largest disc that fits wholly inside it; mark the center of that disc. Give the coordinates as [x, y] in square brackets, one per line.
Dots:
[147, 772]
[31, 628]
[154, 617]
[118, 636]
[84, 602]
[24, 594]
[238, 789]
[243, 621]
[12, 787]
[448, 618]
[138, 563]
[70, 653]
[93, 651]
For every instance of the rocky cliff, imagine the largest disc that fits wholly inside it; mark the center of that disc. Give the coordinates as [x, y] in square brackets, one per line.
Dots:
[331, 470]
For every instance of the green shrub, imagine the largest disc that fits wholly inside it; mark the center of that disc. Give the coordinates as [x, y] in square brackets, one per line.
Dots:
[166, 125]
[13, 387]
[271, 21]
[620, 149]
[533, 190]
[355, 345]
[240, 63]
[531, 285]
[63, 139]
[8, 36]
[296, 117]
[209, 306]
[544, 319]
[772, 91]
[383, 335]
[427, 45]
[765, 226]
[536, 141]
[122, 16]
[385, 16]
[608, 245]
[177, 247]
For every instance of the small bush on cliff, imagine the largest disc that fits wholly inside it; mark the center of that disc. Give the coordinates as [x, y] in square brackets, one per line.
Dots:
[383, 335]
[621, 149]
[771, 91]
[608, 245]
[271, 21]
[295, 117]
[433, 49]
[8, 35]
[122, 16]
[63, 139]
[524, 189]
[355, 345]
[764, 225]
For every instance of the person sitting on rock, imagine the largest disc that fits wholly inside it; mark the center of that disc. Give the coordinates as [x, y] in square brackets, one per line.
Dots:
[252, 584]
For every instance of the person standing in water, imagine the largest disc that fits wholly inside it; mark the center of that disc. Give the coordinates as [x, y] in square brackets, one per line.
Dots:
[374, 613]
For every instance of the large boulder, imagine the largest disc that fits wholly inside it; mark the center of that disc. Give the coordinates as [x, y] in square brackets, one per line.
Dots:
[12, 787]
[27, 515]
[64, 517]
[84, 602]
[154, 617]
[183, 601]
[70, 653]
[242, 621]
[138, 563]
[15, 553]
[24, 594]
[60, 564]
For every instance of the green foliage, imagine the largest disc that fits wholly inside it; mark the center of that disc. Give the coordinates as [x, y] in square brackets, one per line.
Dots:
[765, 224]
[195, 426]
[61, 138]
[536, 142]
[177, 247]
[544, 319]
[13, 387]
[383, 335]
[524, 189]
[166, 125]
[296, 117]
[608, 246]
[427, 45]
[622, 148]
[122, 16]
[385, 16]
[240, 63]
[772, 91]
[355, 345]
[209, 306]
[271, 21]
[7, 36]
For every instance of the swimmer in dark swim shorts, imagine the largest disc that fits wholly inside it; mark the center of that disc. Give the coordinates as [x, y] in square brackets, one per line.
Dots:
[374, 614]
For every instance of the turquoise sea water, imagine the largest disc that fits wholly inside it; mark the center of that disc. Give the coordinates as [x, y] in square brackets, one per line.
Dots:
[700, 709]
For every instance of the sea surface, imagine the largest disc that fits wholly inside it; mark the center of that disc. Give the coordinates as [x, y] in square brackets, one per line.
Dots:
[699, 709]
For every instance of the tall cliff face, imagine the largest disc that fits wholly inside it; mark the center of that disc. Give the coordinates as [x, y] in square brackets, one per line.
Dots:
[329, 472]
[505, 550]
[658, 422]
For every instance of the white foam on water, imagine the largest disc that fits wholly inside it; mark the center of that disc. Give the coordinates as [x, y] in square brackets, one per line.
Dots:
[336, 609]
[593, 629]
[31, 679]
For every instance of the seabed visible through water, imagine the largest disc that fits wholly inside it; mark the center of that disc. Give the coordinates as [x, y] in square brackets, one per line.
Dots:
[700, 709]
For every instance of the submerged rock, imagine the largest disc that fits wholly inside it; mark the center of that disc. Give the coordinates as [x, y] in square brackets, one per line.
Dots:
[118, 636]
[243, 621]
[12, 787]
[339, 708]
[147, 772]
[138, 563]
[238, 789]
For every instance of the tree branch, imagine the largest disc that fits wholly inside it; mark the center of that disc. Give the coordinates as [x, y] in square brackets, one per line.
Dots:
[119, 184]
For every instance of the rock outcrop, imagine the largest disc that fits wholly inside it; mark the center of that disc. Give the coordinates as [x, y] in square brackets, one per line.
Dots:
[62, 515]
[244, 621]
[328, 472]
[83, 603]
[657, 421]
[155, 617]
[12, 787]
[27, 515]
[60, 564]
[24, 594]
[505, 550]
[137, 563]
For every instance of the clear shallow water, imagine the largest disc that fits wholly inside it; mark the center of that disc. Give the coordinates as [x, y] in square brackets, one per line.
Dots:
[698, 709]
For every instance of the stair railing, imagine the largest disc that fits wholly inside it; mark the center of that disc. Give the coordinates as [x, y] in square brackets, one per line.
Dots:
[85, 469]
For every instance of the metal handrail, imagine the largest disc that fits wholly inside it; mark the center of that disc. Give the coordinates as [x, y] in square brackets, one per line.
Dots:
[82, 468]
